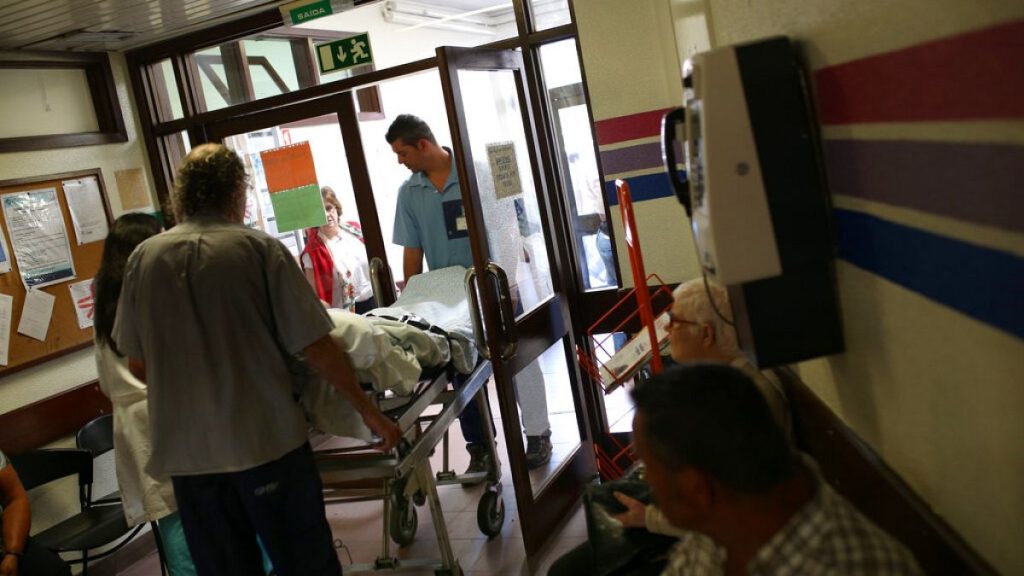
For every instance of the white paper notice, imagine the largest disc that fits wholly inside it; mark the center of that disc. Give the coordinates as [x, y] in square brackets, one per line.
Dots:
[86, 207]
[6, 312]
[81, 297]
[36, 314]
[504, 169]
[38, 237]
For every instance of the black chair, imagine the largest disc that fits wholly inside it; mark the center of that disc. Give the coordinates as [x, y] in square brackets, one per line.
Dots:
[97, 436]
[95, 526]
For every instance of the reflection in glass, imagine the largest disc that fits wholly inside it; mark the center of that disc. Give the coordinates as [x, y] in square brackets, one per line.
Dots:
[508, 198]
[550, 13]
[577, 164]
[544, 391]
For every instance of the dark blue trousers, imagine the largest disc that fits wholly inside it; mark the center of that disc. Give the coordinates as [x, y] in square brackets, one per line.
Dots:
[281, 501]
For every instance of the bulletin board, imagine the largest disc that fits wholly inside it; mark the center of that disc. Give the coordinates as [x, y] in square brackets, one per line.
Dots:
[63, 334]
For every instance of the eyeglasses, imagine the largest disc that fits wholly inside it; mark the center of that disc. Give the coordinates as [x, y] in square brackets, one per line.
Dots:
[674, 320]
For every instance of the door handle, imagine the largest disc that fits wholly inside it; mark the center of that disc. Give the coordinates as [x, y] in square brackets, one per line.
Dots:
[508, 318]
[672, 118]
[376, 266]
[474, 314]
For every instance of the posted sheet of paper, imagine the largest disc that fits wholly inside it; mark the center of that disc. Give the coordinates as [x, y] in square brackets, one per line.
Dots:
[624, 363]
[504, 169]
[81, 298]
[36, 314]
[86, 207]
[39, 237]
[6, 312]
[131, 188]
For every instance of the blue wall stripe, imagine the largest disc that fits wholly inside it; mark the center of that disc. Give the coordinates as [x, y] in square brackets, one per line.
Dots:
[649, 187]
[985, 284]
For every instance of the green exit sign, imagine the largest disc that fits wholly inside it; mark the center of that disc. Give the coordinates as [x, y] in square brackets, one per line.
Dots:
[312, 11]
[347, 53]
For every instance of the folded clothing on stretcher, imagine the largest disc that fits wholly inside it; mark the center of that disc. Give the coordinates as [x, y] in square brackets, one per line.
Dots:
[391, 348]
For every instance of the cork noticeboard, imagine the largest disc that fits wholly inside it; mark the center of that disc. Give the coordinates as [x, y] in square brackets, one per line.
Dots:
[63, 334]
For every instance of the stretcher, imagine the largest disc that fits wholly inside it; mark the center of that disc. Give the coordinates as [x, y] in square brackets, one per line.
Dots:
[424, 410]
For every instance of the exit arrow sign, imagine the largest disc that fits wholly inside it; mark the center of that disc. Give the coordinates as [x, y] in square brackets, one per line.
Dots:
[347, 53]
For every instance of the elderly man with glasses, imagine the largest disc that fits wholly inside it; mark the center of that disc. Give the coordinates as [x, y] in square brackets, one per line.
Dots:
[700, 330]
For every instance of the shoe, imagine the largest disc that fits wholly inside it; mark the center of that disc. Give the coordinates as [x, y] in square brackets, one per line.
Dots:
[538, 450]
[479, 461]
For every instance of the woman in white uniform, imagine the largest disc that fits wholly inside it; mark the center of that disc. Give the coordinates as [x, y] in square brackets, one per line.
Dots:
[334, 261]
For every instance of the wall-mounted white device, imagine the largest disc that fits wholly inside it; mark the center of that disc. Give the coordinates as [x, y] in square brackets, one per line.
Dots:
[754, 190]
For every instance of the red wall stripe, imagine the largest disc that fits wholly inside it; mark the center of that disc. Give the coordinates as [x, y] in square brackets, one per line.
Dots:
[623, 128]
[979, 75]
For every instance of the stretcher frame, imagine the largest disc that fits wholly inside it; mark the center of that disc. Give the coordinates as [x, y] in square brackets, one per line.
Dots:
[403, 477]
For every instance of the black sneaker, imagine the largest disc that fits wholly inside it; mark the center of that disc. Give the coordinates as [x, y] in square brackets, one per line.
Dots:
[538, 450]
[479, 461]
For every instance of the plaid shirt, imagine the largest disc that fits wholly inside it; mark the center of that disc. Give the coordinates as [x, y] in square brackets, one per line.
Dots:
[826, 536]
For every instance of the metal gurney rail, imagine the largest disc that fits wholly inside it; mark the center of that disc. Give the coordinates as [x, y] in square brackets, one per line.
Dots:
[405, 476]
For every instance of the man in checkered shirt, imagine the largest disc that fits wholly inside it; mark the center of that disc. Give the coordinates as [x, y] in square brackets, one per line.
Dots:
[721, 468]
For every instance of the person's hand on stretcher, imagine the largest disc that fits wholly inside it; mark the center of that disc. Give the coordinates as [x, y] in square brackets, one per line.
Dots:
[334, 366]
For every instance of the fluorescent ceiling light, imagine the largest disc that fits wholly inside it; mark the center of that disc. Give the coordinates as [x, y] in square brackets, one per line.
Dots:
[418, 15]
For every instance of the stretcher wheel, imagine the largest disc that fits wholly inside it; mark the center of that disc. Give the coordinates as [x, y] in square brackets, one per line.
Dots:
[403, 522]
[490, 514]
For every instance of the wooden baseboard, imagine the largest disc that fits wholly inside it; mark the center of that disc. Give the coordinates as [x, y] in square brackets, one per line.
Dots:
[51, 419]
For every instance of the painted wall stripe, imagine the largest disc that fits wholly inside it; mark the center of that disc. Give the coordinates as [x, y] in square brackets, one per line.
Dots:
[985, 284]
[632, 158]
[970, 76]
[978, 183]
[649, 187]
[620, 128]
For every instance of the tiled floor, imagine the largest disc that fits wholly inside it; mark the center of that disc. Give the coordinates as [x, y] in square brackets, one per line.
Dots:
[359, 526]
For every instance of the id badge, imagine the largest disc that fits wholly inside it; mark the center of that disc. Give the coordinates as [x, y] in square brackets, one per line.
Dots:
[455, 220]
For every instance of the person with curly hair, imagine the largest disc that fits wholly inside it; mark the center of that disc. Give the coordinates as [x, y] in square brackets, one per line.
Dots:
[213, 317]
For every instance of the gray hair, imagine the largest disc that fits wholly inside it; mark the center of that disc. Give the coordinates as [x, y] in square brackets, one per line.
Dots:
[692, 297]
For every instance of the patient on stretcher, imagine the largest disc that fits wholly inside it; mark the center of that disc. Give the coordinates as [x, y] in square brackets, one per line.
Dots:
[390, 347]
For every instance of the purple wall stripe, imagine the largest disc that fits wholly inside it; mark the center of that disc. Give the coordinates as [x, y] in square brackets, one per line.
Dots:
[639, 157]
[977, 183]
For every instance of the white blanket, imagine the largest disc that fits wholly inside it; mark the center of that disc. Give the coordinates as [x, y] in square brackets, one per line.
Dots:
[391, 354]
[438, 297]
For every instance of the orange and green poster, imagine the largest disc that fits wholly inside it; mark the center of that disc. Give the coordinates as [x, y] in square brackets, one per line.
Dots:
[294, 192]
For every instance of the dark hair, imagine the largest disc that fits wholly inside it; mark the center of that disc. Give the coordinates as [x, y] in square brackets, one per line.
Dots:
[211, 180]
[410, 129]
[127, 232]
[713, 417]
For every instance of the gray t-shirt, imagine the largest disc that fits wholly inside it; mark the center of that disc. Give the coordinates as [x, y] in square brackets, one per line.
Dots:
[216, 311]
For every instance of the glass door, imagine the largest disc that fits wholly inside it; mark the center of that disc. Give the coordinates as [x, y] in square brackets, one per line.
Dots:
[328, 125]
[523, 311]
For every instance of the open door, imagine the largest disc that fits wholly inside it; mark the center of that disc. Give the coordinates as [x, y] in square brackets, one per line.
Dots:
[522, 307]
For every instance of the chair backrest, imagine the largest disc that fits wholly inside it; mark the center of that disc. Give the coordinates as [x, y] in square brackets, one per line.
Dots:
[43, 466]
[97, 436]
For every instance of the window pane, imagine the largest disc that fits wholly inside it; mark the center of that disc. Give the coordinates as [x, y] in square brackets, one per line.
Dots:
[165, 91]
[213, 80]
[420, 95]
[577, 163]
[271, 67]
[550, 13]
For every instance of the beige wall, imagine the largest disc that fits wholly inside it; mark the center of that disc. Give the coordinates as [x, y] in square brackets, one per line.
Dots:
[935, 392]
[33, 384]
